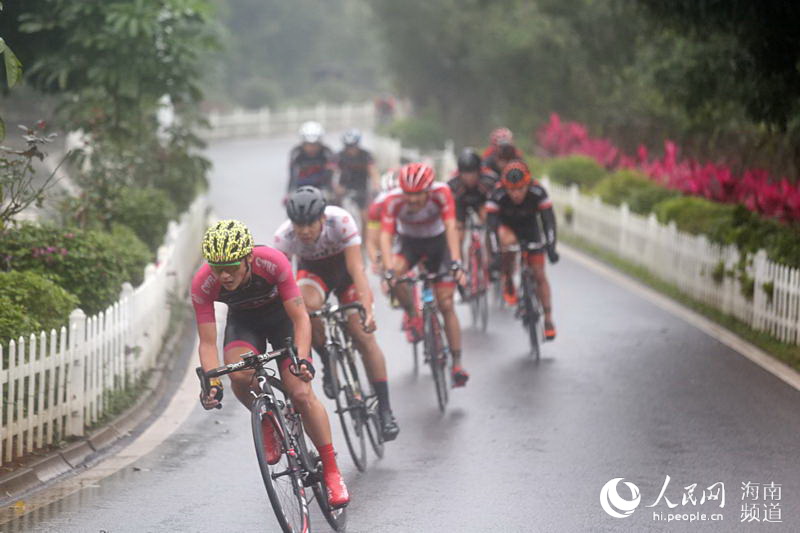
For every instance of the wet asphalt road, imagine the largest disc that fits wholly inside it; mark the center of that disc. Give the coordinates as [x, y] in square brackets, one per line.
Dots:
[627, 391]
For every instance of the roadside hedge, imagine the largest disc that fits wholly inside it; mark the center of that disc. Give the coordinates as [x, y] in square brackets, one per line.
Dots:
[577, 169]
[634, 188]
[44, 304]
[147, 211]
[90, 264]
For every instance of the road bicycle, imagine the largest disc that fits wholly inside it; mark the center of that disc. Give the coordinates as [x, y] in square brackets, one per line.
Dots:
[434, 348]
[529, 308]
[477, 271]
[356, 404]
[298, 468]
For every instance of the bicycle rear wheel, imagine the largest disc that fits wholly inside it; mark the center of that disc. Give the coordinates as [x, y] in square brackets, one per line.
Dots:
[437, 357]
[283, 480]
[350, 406]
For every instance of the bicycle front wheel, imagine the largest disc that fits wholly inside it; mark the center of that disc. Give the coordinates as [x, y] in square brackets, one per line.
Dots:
[283, 479]
[533, 316]
[437, 357]
[350, 405]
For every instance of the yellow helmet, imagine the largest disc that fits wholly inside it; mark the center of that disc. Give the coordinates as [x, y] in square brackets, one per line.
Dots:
[226, 243]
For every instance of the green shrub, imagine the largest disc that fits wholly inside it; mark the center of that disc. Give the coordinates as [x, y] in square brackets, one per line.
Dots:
[537, 166]
[634, 188]
[14, 321]
[90, 264]
[147, 211]
[423, 132]
[43, 301]
[699, 216]
[576, 169]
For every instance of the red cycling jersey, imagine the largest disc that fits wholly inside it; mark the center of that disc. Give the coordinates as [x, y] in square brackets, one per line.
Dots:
[271, 277]
[425, 222]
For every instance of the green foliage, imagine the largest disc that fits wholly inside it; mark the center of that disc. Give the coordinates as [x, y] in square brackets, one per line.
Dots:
[14, 320]
[577, 169]
[634, 188]
[424, 132]
[699, 216]
[90, 264]
[43, 301]
[147, 211]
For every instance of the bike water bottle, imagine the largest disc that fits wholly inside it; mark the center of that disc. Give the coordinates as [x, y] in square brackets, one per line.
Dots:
[427, 295]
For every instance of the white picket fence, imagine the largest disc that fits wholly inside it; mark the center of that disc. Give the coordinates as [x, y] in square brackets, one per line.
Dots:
[705, 271]
[263, 122]
[57, 383]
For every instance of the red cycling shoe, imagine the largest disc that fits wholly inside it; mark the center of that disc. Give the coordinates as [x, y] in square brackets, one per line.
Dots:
[272, 441]
[338, 496]
[460, 376]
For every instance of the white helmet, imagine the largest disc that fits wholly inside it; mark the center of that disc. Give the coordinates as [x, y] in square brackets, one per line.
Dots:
[389, 180]
[351, 137]
[311, 132]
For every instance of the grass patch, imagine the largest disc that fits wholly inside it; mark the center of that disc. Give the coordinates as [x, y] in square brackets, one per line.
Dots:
[788, 353]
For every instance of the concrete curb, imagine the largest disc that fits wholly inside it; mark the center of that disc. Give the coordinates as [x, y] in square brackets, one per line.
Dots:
[83, 453]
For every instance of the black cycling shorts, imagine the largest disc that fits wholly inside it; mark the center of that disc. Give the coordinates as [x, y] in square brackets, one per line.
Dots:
[254, 327]
[433, 252]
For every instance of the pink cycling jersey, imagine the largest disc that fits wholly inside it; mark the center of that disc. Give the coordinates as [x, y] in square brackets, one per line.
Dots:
[271, 279]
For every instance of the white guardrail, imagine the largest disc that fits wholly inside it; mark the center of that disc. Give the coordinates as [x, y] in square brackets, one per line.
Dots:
[705, 271]
[57, 383]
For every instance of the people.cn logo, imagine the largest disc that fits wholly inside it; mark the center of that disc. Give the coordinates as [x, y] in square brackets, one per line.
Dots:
[614, 504]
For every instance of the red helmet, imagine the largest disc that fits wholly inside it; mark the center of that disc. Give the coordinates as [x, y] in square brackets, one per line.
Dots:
[516, 175]
[416, 177]
[501, 136]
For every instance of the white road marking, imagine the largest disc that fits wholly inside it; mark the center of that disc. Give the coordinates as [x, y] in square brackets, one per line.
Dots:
[178, 410]
[726, 337]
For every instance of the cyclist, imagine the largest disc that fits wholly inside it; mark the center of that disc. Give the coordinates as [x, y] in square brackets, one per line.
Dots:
[470, 187]
[328, 246]
[421, 212]
[514, 210]
[357, 172]
[496, 137]
[374, 216]
[501, 150]
[264, 303]
[311, 162]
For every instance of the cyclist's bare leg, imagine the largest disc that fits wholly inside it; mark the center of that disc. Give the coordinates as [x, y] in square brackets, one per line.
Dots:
[367, 346]
[314, 301]
[315, 418]
[241, 382]
[543, 290]
[507, 238]
[403, 291]
[452, 328]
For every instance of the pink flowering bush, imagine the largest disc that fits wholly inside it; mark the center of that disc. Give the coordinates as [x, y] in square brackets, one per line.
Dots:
[755, 189]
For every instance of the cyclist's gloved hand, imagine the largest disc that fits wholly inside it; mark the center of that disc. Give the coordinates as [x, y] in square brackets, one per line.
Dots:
[552, 254]
[214, 397]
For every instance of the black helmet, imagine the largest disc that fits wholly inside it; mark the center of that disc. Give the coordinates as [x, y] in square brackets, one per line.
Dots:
[469, 160]
[305, 205]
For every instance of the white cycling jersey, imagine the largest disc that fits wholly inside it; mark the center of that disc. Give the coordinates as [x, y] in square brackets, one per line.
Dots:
[338, 232]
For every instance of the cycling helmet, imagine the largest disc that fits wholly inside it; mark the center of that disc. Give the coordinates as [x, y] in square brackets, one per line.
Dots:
[516, 175]
[501, 136]
[351, 137]
[469, 160]
[311, 132]
[226, 243]
[416, 177]
[389, 180]
[305, 205]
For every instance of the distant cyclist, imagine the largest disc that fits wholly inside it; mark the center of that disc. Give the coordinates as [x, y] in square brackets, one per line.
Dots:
[357, 172]
[515, 211]
[501, 150]
[422, 213]
[328, 246]
[264, 304]
[311, 162]
[471, 188]
[374, 217]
